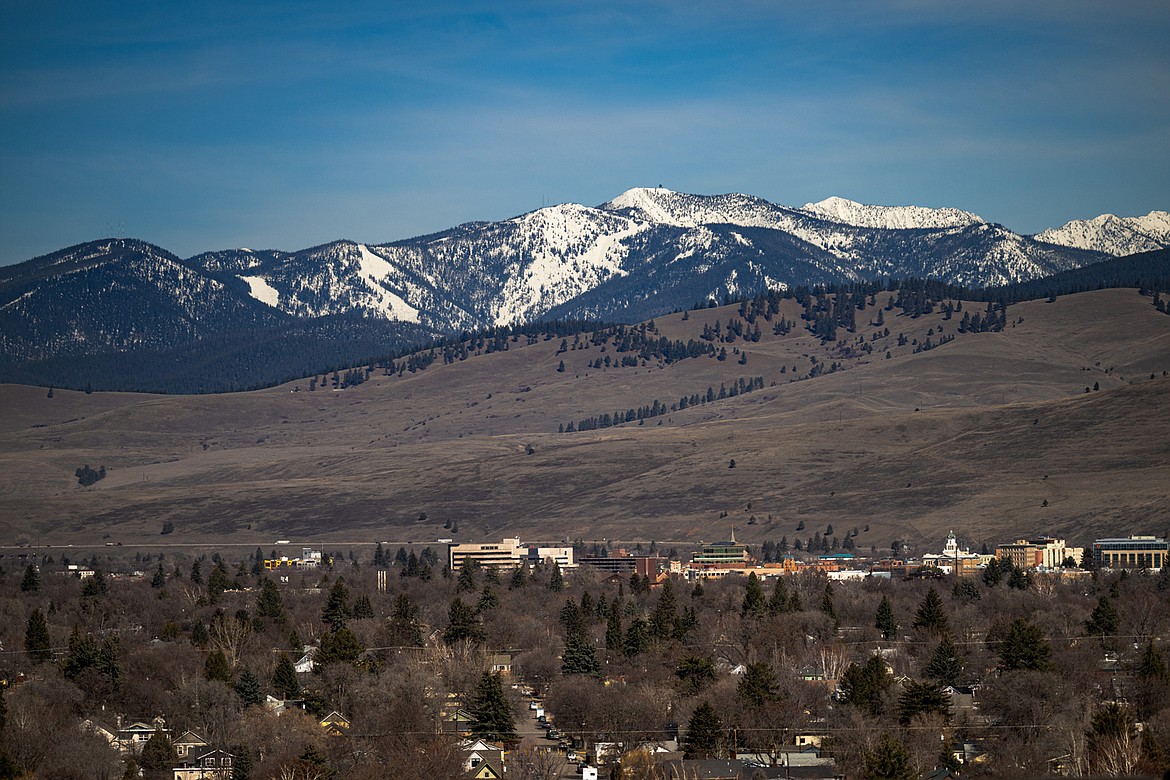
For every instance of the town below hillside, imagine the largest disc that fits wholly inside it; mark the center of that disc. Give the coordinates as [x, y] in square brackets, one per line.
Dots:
[506, 659]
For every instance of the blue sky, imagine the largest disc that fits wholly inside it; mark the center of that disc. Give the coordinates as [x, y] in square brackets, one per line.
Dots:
[201, 126]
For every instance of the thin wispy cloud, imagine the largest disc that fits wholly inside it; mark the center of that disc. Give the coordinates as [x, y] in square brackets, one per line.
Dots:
[261, 117]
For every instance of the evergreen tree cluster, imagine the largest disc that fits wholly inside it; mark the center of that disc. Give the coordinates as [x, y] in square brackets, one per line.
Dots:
[658, 409]
[86, 475]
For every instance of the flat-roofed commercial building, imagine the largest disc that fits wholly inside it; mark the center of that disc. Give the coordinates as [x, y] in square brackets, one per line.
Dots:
[1134, 552]
[562, 555]
[508, 554]
[1044, 553]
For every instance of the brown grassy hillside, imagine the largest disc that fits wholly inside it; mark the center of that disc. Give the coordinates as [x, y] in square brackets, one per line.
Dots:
[974, 435]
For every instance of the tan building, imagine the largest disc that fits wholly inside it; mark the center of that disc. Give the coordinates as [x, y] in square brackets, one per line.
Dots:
[508, 554]
[1043, 553]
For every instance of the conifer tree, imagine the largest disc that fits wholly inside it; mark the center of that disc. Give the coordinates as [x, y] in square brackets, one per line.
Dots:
[579, 657]
[339, 646]
[491, 715]
[1104, 620]
[284, 678]
[336, 611]
[695, 671]
[362, 608]
[37, 643]
[884, 620]
[664, 619]
[519, 577]
[754, 603]
[81, 655]
[827, 605]
[32, 580]
[158, 757]
[248, 689]
[556, 582]
[216, 667]
[1022, 646]
[864, 686]
[462, 623]
[269, 603]
[778, 602]
[614, 637]
[704, 735]
[931, 616]
[921, 698]
[160, 578]
[945, 665]
[758, 685]
[466, 582]
[889, 760]
[637, 637]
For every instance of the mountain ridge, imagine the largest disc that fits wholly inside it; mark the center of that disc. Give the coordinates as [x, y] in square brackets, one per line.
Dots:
[647, 252]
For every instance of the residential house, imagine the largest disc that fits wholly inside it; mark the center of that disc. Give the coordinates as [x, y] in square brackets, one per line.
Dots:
[132, 737]
[212, 765]
[500, 663]
[188, 745]
[93, 727]
[483, 760]
[335, 724]
[304, 664]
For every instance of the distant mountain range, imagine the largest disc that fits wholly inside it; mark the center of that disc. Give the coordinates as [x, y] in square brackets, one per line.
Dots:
[130, 314]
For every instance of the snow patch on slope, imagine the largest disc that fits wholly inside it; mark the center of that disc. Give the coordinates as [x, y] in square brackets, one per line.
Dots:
[375, 271]
[261, 290]
[562, 252]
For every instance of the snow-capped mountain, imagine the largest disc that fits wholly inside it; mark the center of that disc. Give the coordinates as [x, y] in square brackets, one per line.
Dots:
[1117, 236]
[850, 212]
[646, 252]
[116, 295]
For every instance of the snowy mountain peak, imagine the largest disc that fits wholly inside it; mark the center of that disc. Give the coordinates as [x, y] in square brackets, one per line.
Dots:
[649, 203]
[1114, 235]
[850, 212]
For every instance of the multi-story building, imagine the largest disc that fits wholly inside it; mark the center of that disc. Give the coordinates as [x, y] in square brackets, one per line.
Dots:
[624, 563]
[953, 559]
[719, 558]
[508, 554]
[310, 559]
[721, 553]
[562, 555]
[1135, 552]
[1043, 553]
